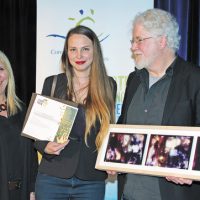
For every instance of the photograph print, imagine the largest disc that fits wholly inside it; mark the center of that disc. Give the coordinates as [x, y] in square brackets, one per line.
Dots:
[127, 148]
[169, 151]
[196, 162]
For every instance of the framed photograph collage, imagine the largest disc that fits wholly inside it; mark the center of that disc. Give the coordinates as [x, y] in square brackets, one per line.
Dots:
[151, 150]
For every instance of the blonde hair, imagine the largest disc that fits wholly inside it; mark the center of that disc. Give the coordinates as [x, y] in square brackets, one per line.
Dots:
[99, 102]
[13, 102]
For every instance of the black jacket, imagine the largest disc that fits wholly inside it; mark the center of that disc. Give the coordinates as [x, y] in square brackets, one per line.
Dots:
[18, 158]
[182, 108]
[76, 159]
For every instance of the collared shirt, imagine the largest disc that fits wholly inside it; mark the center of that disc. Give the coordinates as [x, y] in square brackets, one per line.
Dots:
[148, 103]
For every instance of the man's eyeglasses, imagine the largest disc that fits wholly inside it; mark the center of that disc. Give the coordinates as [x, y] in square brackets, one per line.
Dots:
[139, 40]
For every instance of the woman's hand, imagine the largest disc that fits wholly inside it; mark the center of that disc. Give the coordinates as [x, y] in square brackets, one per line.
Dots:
[55, 148]
[178, 180]
[110, 172]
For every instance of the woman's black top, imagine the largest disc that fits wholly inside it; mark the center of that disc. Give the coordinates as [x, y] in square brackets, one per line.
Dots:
[77, 159]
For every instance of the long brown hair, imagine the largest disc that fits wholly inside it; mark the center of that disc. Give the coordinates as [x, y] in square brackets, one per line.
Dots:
[99, 102]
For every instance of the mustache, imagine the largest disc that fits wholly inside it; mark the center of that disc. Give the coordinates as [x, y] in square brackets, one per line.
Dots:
[133, 56]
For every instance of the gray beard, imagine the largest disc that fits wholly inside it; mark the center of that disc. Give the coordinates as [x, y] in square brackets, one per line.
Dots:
[142, 65]
[139, 67]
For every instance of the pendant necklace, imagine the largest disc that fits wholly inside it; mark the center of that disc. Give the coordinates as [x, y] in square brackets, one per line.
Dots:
[3, 107]
[81, 90]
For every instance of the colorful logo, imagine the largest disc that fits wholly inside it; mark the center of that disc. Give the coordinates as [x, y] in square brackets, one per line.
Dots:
[81, 21]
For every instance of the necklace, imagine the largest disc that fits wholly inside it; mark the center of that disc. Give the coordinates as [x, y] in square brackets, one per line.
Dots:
[80, 88]
[80, 95]
[3, 107]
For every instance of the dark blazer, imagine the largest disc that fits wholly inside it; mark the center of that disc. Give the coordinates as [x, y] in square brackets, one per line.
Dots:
[182, 108]
[18, 158]
[76, 159]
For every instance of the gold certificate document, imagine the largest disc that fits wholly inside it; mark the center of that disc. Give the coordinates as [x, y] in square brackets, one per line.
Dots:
[49, 119]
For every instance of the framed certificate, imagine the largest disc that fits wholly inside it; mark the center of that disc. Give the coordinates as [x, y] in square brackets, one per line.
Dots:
[49, 118]
[151, 150]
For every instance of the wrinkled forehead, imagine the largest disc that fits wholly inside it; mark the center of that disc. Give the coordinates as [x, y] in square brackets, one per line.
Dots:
[139, 30]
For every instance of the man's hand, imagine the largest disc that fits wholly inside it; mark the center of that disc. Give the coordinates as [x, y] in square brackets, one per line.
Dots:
[32, 196]
[178, 180]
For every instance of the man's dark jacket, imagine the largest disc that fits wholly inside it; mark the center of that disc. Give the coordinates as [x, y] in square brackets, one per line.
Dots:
[182, 108]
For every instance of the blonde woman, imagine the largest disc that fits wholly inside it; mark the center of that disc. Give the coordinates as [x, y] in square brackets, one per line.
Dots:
[67, 171]
[18, 159]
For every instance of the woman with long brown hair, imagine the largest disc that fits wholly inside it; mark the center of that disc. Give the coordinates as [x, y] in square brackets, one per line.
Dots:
[68, 170]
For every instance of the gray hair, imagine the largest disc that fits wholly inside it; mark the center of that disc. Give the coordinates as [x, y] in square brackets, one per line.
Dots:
[159, 22]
